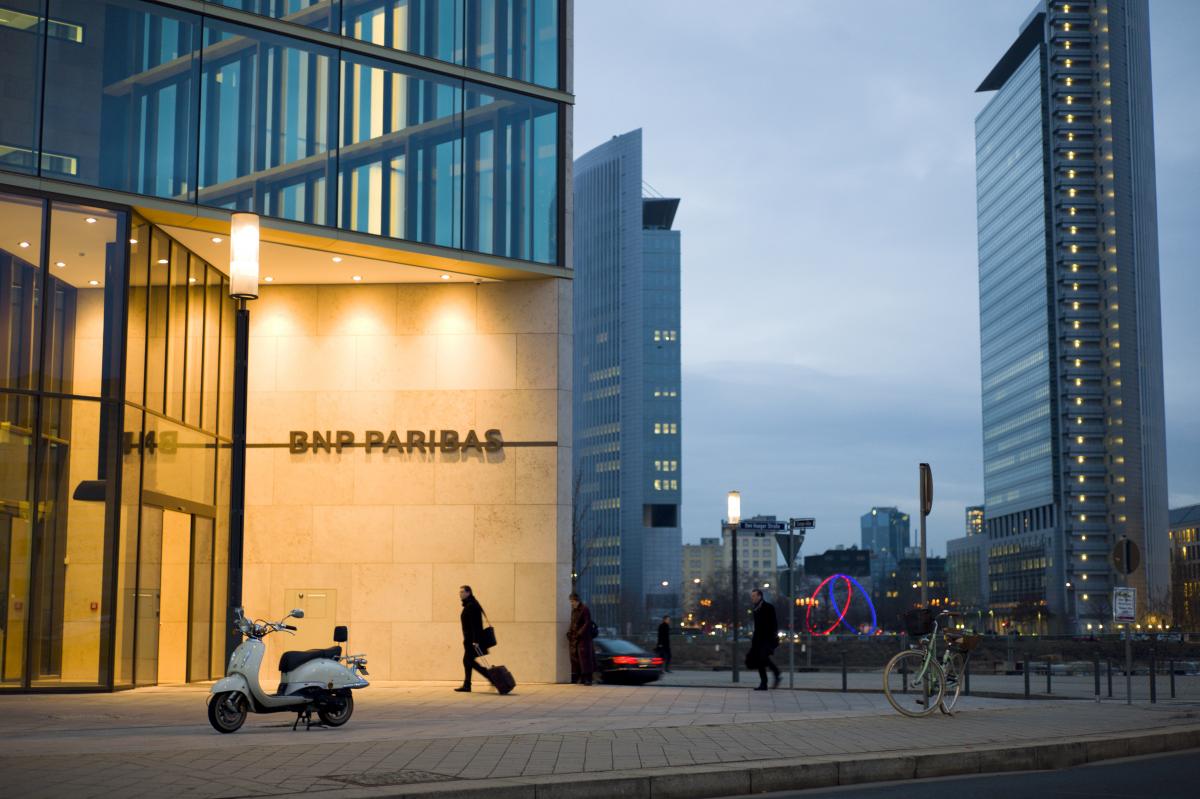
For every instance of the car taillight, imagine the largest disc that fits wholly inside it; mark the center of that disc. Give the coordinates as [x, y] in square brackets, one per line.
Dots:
[656, 661]
[625, 660]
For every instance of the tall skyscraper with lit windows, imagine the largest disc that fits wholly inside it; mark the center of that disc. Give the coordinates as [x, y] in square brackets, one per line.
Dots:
[1071, 342]
[627, 456]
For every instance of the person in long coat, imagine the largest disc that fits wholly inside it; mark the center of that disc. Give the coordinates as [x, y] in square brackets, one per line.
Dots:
[664, 642]
[764, 641]
[472, 630]
[579, 643]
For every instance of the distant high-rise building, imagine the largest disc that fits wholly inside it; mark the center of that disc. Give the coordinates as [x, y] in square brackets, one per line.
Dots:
[1071, 344]
[1185, 567]
[627, 460]
[701, 564]
[974, 519]
[758, 557]
[885, 531]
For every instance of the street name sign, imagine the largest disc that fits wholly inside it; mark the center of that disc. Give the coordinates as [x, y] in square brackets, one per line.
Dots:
[770, 527]
[802, 524]
[1124, 604]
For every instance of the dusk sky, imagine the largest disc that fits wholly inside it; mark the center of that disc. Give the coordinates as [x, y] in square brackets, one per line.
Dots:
[825, 157]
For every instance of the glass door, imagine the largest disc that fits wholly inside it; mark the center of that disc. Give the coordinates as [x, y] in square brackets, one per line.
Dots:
[149, 583]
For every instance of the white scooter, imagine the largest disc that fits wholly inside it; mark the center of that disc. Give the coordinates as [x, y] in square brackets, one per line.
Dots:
[313, 680]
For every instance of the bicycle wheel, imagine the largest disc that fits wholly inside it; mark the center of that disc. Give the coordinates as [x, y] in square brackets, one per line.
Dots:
[953, 667]
[914, 687]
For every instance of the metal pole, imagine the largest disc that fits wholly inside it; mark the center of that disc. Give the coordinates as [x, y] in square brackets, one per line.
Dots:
[1128, 665]
[792, 630]
[843, 672]
[967, 676]
[924, 576]
[1153, 679]
[1048, 670]
[1109, 662]
[237, 473]
[1171, 666]
[734, 606]
[1096, 668]
[1025, 669]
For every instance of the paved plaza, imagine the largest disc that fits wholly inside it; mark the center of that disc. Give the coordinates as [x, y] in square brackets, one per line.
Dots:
[408, 737]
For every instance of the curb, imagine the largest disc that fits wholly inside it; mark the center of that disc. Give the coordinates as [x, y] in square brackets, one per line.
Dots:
[697, 782]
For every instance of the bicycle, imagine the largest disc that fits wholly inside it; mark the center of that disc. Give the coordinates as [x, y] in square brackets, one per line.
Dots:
[936, 683]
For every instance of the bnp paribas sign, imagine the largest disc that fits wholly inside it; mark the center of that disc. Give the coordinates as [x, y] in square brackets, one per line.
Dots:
[406, 441]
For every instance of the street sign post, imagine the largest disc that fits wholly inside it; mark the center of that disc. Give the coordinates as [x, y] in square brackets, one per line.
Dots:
[802, 523]
[1125, 558]
[926, 507]
[763, 527]
[789, 544]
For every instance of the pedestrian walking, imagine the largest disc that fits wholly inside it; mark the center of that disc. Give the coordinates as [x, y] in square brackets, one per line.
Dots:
[474, 641]
[579, 642]
[664, 643]
[764, 641]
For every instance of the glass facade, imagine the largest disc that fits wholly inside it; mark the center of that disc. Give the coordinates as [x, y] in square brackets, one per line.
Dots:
[150, 99]
[85, 457]
[1013, 299]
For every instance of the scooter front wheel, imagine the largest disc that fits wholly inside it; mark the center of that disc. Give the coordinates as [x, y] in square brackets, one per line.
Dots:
[227, 711]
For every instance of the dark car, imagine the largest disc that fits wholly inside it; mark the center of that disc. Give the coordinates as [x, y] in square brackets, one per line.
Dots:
[619, 660]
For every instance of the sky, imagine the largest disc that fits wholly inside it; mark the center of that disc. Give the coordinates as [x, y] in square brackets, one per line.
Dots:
[825, 157]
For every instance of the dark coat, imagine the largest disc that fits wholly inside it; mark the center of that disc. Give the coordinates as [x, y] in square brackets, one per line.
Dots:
[579, 642]
[472, 623]
[581, 622]
[766, 630]
[664, 637]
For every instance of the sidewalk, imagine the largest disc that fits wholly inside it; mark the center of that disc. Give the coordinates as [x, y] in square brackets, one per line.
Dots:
[415, 739]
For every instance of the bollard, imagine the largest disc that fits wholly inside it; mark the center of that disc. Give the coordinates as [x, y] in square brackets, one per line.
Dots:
[1048, 670]
[843, 672]
[1172, 665]
[1153, 693]
[967, 676]
[1025, 668]
[1109, 678]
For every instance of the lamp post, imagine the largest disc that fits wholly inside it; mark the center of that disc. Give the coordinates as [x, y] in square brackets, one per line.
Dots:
[733, 516]
[243, 286]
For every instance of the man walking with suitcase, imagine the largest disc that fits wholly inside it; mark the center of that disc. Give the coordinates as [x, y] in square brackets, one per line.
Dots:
[472, 630]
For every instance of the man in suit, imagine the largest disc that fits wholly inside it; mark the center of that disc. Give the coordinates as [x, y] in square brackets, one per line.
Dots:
[472, 630]
[764, 641]
[664, 643]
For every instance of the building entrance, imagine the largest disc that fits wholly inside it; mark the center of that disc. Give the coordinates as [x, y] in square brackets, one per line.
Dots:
[173, 636]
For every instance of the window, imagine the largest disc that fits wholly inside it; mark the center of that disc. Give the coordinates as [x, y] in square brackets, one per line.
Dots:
[514, 38]
[21, 76]
[666, 428]
[319, 14]
[431, 28]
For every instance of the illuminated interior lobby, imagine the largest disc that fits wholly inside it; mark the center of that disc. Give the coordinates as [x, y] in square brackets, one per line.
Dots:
[406, 382]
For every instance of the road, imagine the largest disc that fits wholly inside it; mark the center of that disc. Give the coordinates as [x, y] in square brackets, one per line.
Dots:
[1173, 776]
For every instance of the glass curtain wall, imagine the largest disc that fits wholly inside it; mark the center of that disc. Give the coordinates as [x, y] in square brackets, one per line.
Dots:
[81, 454]
[145, 98]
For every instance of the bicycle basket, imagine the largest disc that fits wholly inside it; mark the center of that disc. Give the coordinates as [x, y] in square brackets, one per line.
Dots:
[966, 642]
[918, 621]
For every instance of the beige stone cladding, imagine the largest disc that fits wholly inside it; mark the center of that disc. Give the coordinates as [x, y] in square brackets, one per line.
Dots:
[385, 538]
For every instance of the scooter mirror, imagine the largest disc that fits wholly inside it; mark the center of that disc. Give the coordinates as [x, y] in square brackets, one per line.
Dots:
[297, 613]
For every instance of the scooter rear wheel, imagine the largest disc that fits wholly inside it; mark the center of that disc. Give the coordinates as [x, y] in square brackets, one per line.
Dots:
[227, 711]
[337, 712]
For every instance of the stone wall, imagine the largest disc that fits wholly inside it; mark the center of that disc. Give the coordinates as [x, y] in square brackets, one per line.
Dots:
[388, 537]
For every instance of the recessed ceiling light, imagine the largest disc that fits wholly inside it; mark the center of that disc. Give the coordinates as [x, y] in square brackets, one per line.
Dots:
[217, 239]
[133, 241]
[356, 278]
[23, 244]
[163, 261]
[445, 277]
[91, 220]
[93, 282]
[60, 263]
[191, 280]
[269, 279]
[337, 259]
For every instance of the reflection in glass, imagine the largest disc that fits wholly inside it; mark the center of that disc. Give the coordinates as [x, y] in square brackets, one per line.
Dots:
[20, 297]
[225, 388]
[84, 290]
[178, 461]
[319, 14]
[21, 77]
[70, 602]
[511, 174]
[514, 38]
[212, 348]
[221, 615]
[125, 601]
[201, 608]
[267, 114]
[426, 27]
[139, 296]
[177, 330]
[149, 589]
[158, 316]
[401, 147]
[16, 532]
[120, 105]
[194, 372]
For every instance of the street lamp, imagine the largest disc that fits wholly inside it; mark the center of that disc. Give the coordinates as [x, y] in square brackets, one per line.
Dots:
[733, 516]
[733, 504]
[243, 286]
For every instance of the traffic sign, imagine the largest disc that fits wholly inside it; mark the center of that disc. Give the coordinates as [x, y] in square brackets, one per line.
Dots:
[802, 524]
[786, 542]
[1124, 604]
[926, 489]
[1125, 556]
[763, 526]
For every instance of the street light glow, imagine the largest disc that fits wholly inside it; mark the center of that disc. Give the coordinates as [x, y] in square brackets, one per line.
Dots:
[734, 507]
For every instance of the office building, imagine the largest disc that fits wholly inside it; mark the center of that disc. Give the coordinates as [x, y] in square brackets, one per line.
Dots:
[1071, 344]
[627, 459]
[974, 520]
[1185, 567]
[406, 389]
[885, 533]
[758, 557]
[967, 572]
[702, 569]
[850, 561]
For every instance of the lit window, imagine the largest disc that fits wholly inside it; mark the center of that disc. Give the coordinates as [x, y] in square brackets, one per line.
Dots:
[1070, 192]
[1074, 230]
[1070, 99]
[1071, 173]
[1072, 211]
[1079, 400]
[1070, 155]
[1075, 305]
[1076, 324]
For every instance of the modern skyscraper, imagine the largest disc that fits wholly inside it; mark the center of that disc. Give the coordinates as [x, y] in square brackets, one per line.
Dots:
[885, 532]
[627, 462]
[974, 519]
[1073, 434]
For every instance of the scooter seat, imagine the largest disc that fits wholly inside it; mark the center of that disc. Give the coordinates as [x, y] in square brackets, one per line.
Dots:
[294, 660]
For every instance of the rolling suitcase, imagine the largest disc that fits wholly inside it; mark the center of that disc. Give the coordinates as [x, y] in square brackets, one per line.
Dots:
[499, 676]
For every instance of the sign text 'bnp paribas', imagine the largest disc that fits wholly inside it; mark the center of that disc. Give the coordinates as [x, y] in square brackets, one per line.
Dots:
[300, 441]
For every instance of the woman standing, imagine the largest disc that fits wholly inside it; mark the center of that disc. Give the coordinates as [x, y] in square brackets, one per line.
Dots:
[579, 643]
